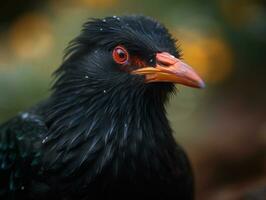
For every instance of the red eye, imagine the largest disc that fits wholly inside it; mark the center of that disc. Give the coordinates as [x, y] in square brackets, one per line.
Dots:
[120, 55]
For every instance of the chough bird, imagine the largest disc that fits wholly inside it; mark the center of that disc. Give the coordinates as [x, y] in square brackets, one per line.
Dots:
[103, 132]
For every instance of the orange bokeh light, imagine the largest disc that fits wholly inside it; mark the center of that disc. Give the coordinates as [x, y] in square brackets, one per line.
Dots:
[209, 55]
[30, 37]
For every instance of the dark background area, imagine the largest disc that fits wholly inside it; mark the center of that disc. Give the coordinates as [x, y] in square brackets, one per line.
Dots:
[222, 128]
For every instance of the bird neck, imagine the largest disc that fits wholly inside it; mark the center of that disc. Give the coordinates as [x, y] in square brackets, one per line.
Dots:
[114, 123]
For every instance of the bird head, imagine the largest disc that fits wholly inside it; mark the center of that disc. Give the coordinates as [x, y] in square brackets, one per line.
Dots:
[130, 51]
[111, 90]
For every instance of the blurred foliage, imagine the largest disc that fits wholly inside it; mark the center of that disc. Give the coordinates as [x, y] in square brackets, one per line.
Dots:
[222, 127]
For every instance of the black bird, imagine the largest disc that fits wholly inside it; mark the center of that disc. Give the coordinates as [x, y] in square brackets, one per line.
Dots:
[103, 132]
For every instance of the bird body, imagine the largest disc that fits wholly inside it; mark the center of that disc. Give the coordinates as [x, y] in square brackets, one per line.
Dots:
[103, 133]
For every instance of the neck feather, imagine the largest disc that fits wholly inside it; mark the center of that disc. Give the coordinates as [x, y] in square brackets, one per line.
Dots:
[100, 128]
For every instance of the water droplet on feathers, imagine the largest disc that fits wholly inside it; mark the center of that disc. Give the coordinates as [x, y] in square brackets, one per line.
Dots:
[44, 140]
[25, 115]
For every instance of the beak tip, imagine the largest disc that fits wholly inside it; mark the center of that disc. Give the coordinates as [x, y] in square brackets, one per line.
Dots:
[201, 84]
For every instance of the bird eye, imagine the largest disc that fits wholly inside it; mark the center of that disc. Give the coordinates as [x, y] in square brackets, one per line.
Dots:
[120, 55]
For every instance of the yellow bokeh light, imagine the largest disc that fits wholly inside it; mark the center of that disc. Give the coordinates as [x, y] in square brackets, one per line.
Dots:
[30, 37]
[209, 55]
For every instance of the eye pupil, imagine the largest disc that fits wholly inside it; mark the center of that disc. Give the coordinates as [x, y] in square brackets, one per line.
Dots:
[121, 54]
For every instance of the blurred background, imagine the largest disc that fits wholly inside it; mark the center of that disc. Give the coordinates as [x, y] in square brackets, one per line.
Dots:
[222, 128]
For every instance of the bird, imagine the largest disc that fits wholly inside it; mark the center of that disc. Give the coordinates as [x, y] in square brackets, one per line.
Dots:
[103, 132]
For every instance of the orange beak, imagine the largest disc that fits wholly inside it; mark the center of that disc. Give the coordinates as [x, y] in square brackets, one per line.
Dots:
[170, 69]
